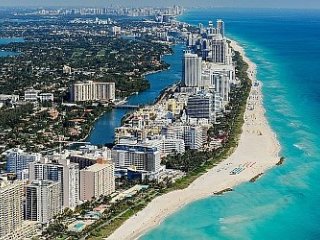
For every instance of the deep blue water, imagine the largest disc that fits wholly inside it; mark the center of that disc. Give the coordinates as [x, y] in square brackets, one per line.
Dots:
[103, 131]
[284, 203]
[4, 41]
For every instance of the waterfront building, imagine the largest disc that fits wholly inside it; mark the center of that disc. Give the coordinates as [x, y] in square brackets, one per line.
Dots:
[218, 103]
[201, 105]
[11, 205]
[166, 146]
[212, 45]
[222, 86]
[62, 171]
[173, 146]
[18, 161]
[192, 39]
[218, 49]
[211, 30]
[220, 27]
[96, 181]
[217, 68]
[42, 201]
[93, 91]
[191, 70]
[192, 135]
[136, 156]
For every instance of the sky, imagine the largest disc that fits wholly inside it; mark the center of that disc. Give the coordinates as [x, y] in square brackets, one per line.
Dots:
[161, 3]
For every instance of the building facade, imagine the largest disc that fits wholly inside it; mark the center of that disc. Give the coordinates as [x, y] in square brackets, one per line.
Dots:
[11, 206]
[64, 172]
[191, 70]
[96, 180]
[93, 91]
[138, 157]
[193, 136]
[201, 106]
[31, 95]
[222, 86]
[18, 161]
[42, 201]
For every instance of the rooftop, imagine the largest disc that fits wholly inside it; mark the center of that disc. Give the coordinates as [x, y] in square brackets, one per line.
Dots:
[97, 167]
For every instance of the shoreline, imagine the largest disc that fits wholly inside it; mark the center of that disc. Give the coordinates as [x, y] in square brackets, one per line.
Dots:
[257, 151]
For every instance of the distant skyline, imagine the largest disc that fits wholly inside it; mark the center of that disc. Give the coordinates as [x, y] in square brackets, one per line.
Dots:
[163, 3]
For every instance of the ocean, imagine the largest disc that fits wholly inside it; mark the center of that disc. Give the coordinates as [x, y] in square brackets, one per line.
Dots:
[283, 203]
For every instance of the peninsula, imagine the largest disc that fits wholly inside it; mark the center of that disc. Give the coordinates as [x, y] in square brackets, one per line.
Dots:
[257, 151]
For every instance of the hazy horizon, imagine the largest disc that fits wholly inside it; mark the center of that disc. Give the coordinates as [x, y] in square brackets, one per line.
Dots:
[308, 4]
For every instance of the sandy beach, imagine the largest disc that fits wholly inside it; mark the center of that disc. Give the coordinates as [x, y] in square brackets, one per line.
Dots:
[258, 151]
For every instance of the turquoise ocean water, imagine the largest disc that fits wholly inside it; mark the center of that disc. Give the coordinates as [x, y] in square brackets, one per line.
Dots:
[284, 203]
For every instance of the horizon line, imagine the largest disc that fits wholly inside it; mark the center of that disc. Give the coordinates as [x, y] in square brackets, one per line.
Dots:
[146, 6]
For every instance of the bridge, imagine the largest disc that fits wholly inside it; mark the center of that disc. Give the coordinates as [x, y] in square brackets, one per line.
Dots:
[126, 106]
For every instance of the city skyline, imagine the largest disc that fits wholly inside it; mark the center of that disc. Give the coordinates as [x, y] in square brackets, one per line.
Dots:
[144, 3]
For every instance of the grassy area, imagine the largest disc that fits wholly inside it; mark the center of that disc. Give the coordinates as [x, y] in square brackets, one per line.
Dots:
[125, 211]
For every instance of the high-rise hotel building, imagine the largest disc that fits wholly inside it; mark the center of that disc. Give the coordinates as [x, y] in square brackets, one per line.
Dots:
[64, 172]
[11, 208]
[201, 106]
[93, 91]
[218, 50]
[96, 180]
[220, 27]
[42, 201]
[192, 69]
[135, 156]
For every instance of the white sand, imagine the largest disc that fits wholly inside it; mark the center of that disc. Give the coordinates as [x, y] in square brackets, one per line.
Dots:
[258, 151]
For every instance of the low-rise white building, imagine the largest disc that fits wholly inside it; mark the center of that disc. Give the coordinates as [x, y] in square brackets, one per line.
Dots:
[46, 97]
[31, 95]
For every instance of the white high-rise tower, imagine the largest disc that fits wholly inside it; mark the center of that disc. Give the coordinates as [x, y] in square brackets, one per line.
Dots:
[191, 72]
[220, 27]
